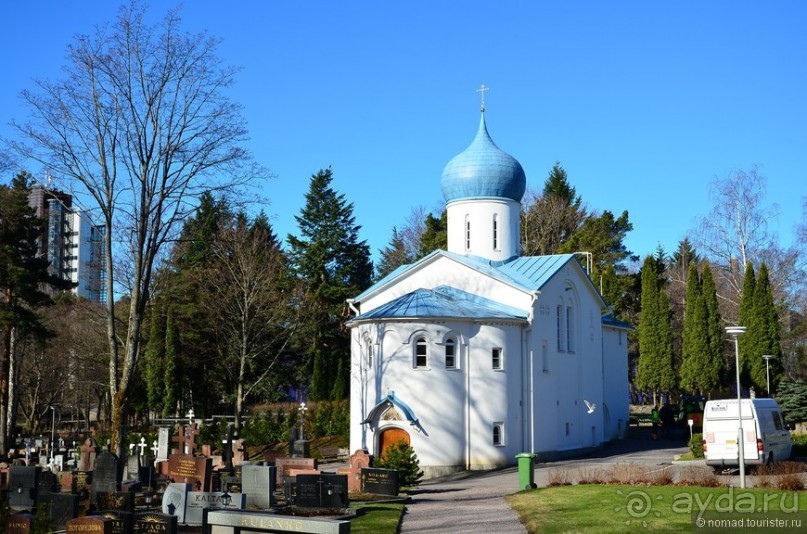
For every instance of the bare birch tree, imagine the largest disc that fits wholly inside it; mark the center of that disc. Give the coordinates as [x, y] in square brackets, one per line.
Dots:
[141, 125]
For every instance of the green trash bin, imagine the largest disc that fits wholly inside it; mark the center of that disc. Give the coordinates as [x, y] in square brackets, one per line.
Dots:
[525, 470]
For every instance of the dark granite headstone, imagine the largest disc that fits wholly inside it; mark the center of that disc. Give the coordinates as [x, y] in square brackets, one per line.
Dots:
[81, 482]
[379, 481]
[91, 524]
[121, 521]
[107, 474]
[48, 482]
[154, 523]
[63, 507]
[23, 481]
[20, 523]
[123, 501]
[321, 491]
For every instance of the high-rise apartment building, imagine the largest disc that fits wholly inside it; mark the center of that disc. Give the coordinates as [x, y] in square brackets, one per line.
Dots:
[72, 244]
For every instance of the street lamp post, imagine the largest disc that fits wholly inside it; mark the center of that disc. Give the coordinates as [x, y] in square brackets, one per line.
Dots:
[767, 358]
[52, 432]
[736, 332]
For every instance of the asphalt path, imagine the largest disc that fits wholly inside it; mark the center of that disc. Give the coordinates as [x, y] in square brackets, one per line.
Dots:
[474, 501]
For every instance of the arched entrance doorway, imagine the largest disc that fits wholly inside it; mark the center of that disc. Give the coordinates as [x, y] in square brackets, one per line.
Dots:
[390, 436]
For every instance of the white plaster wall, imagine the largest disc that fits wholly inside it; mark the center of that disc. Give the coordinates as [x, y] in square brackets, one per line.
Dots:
[615, 357]
[480, 213]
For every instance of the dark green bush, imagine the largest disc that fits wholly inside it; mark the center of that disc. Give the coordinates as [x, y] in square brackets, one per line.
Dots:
[696, 445]
[799, 445]
[402, 458]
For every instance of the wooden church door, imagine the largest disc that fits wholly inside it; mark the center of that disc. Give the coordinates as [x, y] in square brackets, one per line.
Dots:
[390, 436]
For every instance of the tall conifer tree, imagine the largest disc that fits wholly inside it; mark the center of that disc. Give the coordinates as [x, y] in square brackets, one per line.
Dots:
[655, 371]
[714, 331]
[335, 265]
[694, 343]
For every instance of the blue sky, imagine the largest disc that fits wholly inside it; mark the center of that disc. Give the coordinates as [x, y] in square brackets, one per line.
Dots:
[643, 103]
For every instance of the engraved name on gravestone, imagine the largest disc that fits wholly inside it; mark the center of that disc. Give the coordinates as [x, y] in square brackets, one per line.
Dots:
[154, 523]
[121, 521]
[379, 481]
[198, 501]
[91, 524]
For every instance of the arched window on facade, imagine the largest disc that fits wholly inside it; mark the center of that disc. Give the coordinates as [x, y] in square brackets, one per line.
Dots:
[451, 354]
[421, 353]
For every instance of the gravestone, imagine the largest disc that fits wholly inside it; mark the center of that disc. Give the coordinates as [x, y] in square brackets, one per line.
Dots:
[133, 468]
[198, 501]
[283, 464]
[106, 476]
[186, 440]
[154, 523]
[48, 482]
[81, 483]
[121, 521]
[359, 460]
[174, 500]
[89, 451]
[91, 524]
[163, 444]
[122, 501]
[230, 484]
[193, 470]
[23, 481]
[379, 481]
[324, 490]
[21, 523]
[261, 521]
[258, 483]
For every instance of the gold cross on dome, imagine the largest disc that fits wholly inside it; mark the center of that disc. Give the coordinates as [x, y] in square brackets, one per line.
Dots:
[483, 90]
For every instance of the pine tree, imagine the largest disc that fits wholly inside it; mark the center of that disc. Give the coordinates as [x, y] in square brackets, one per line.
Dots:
[154, 358]
[170, 366]
[694, 345]
[714, 332]
[334, 265]
[655, 370]
[746, 318]
[23, 277]
[435, 236]
[764, 330]
[393, 256]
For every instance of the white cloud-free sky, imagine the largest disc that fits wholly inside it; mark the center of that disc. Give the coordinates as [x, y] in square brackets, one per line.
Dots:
[644, 103]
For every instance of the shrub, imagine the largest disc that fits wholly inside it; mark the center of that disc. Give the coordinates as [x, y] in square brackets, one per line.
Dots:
[696, 445]
[260, 429]
[402, 458]
[558, 477]
[799, 445]
[699, 476]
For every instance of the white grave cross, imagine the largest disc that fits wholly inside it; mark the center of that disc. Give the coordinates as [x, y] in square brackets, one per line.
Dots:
[142, 446]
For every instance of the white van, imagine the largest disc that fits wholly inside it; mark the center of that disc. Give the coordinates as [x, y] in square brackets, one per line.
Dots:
[766, 438]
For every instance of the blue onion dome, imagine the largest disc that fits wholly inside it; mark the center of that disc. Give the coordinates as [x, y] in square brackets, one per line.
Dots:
[483, 170]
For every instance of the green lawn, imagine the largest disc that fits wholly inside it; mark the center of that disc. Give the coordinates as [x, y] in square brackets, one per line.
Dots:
[618, 509]
[380, 518]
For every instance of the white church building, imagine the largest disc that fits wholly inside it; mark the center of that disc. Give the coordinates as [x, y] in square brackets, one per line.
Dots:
[475, 354]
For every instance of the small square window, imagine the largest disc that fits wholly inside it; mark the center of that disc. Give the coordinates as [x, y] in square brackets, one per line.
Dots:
[496, 356]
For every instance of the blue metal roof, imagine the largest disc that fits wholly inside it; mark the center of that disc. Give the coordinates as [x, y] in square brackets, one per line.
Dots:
[528, 273]
[443, 302]
[391, 401]
[611, 321]
[483, 170]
